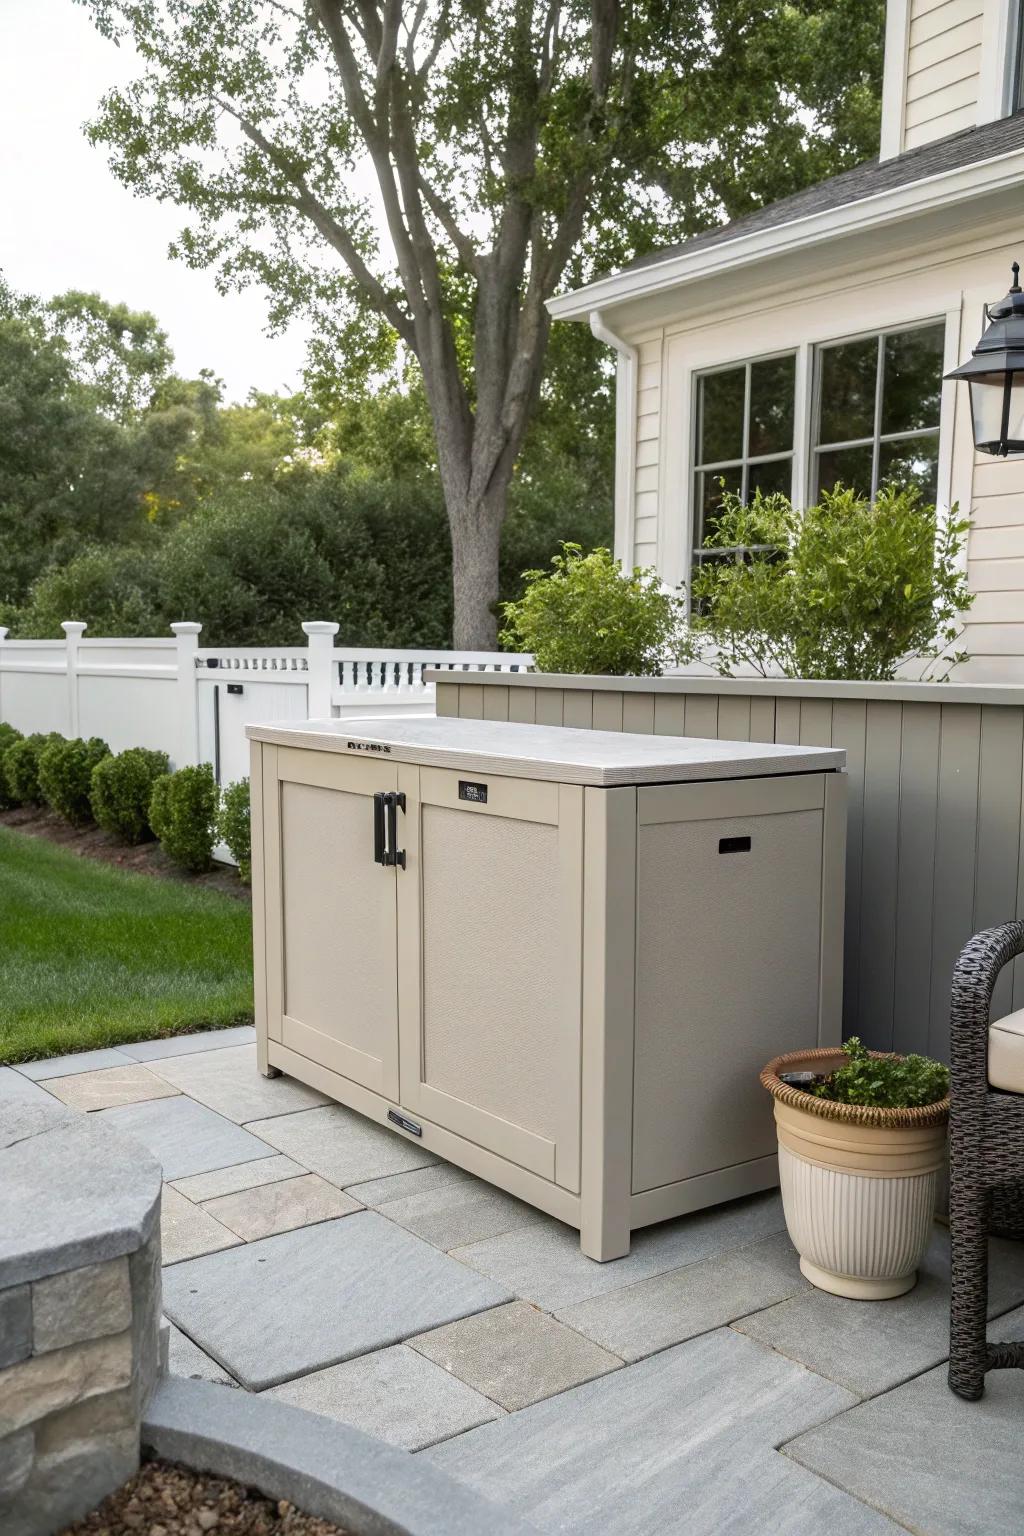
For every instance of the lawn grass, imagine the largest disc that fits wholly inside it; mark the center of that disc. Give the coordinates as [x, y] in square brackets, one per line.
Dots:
[93, 956]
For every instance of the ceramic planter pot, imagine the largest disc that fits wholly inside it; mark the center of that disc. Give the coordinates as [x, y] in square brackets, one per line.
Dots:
[858, 1184]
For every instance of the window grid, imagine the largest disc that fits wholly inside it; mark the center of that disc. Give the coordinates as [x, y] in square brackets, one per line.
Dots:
[878, 438]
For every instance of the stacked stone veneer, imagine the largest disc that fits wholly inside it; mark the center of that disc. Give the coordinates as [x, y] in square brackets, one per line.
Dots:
[79, 1312]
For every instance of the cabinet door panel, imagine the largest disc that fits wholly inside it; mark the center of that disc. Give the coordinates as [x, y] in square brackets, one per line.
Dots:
[490, 933]
[334, 949]
[727, 968]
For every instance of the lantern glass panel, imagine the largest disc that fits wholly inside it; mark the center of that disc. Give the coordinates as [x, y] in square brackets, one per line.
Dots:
[988, 391]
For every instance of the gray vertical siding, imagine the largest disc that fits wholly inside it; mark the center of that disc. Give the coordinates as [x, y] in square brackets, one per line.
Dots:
[935, 817]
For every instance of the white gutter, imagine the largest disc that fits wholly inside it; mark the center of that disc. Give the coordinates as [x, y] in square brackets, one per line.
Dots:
[1003, 173]
[626, 382]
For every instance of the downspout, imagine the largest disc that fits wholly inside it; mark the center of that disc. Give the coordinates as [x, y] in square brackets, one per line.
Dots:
[626, 381]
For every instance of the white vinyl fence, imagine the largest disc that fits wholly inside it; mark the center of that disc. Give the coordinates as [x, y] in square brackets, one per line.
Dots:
[194, 703]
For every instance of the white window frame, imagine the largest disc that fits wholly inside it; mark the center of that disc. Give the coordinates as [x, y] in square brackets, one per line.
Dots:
[877, 436]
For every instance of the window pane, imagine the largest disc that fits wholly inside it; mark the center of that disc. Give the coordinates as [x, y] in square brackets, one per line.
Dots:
[776, 475]
[912, 461]
[709, 500]
[912, 382]
[847, 390]
[720, 423]
[849, 467]
[772, 384]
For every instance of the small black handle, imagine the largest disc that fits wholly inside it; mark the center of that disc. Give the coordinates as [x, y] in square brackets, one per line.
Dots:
[395, 801]
[379, 854]
[734, 845]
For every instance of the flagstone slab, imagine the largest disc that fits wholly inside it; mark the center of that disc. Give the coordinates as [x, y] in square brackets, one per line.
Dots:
[185, 1045]
[186, 1359]
[303, 1300]
[453, 1215]
[186, 1230]
[79, 1061]
[341, 1145]
[397, 1186]
[869, 1346]
[227, 1080]
[543, 1263]
[395, 1395]
[683, 1441]
[666, 1309]
[515, 1355]
[129, 1083]
[184, 1136]
[281, 1206]
[16, 1089]
[938, 1465]
[227, 1181]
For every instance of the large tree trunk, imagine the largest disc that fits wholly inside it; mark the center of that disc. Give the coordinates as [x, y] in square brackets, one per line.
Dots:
[476, 539]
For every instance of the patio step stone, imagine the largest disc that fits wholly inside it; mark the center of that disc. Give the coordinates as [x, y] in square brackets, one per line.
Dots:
[397, 1186]
[341, 1145]
[286, 1305]
[684, 1441]
[129, 1083]
[543, 1263]
[227, 1080]
[682, 1303]
[394, 1394]
[80, 1061]
[940, 1466]
[869, 1346]
[184, 1045]
[186, 1230]
[184, 1137]
[16, 1088]
[515, 1355]
[186, 1359]
[281, 1206]
[228, 1181]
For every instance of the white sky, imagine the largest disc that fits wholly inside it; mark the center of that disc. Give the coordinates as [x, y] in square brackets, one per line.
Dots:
[65, 222]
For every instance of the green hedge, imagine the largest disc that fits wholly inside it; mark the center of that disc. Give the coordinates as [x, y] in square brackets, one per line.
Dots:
[121, 790]
[65, 775]
[183, 814]
[233, 826]
[8, 736]
[21, 767]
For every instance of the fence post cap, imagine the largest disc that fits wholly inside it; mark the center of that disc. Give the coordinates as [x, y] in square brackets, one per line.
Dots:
[73, 627]
[319, 627]
[4, 631]
[186, 628]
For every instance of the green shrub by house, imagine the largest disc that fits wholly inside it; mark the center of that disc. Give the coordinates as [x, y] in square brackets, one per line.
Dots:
[233, 826]
[8, 736]
[121, 790]
[587, 615]
[183, 814]
[848, 589]
[21, 767]
[886, 1082]
[65, 775]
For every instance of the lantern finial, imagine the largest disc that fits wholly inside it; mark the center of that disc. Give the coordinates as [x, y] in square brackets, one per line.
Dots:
[1015, 269]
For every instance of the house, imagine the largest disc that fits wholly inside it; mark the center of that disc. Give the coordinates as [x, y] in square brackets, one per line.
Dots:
[806, 343]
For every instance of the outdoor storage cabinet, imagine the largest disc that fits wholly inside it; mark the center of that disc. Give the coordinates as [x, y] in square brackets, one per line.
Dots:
[558, 958]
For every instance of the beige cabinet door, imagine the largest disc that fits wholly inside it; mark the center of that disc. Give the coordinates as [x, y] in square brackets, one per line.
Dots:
[489, 939]
[729, 899]
[331, 952]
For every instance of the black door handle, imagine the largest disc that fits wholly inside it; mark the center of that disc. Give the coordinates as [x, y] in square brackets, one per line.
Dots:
[395, 802]
[379, 853]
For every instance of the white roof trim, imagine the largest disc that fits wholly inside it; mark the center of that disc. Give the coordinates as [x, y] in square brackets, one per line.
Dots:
[880, 208]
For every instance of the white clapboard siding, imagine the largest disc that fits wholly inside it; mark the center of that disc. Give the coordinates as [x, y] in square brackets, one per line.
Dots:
[943, 68]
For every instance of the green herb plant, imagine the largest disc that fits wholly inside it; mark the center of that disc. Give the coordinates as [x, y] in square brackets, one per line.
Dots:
[888, 1082]
[586, 615]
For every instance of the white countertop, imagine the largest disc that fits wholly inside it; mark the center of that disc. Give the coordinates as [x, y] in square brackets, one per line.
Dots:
[558, 753]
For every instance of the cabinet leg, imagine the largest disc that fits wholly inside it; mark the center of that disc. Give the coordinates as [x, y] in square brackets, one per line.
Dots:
[605, 1235]
[266, 1070]
[269, 1071]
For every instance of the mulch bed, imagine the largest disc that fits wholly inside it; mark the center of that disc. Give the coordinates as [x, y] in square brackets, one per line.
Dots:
[93, 843]
[167, 1500]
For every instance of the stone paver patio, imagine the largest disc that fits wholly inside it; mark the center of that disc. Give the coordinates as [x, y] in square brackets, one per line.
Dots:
[699, 1385]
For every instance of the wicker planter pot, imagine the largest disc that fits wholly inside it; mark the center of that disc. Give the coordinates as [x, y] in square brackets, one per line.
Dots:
[858, 1184]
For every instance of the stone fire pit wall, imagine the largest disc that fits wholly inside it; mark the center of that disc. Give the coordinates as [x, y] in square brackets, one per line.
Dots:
[79, 1312]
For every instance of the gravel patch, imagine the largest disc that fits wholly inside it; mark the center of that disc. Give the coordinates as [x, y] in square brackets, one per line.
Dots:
[167, 1500]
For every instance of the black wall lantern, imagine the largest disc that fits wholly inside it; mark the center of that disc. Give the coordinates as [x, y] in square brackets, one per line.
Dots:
[995, 374]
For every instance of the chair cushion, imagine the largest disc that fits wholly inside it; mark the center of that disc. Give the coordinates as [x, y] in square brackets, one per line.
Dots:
[1006, 1053]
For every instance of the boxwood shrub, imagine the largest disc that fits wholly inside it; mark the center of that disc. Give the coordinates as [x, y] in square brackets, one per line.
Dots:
[21, 767]
[121, 790]
[8, 736]
[233, 826]
[65, 775]
[183, 814]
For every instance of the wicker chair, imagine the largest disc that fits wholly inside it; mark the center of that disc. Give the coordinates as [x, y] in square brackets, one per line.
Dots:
[986, 1136]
